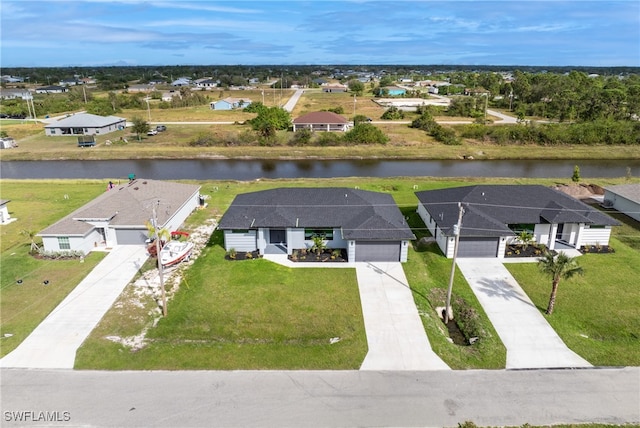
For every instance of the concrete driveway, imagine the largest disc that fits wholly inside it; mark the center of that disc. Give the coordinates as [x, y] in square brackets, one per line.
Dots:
[395, 334]
[528, 337]
[53, 344]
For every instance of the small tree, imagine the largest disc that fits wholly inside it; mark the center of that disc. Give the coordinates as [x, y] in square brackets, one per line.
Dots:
[356, 87]
[576, 174]
[140, 126]
[319, 244]
[558, 267]
[526, 238]
[31, 234]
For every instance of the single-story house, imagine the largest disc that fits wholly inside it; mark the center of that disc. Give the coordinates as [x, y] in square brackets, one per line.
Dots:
[624, 198]
[120, 215]
[334, 88]
[368, 225]
[69, 82]
[11, 94]
[181, 81]
[207, 83]
[85, 124]
[494, 215]
[230, 103]
[321, 121]
[5, 216]
[52, 89]
[143, 87]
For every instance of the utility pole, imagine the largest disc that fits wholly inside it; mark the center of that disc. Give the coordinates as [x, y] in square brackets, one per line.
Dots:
[456, 232]
[354, 105]
[160, 268]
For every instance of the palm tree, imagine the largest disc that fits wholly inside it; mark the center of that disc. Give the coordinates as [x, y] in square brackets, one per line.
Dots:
[560, 267]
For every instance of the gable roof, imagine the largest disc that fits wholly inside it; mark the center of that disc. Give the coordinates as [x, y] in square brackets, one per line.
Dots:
[489, 209]
[86, 120]
[361, 214]
[126, 205]
[627, 191]
[320, 117]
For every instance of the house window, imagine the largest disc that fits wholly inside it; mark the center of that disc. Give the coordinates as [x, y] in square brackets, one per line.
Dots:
[63, 243]
[311, 233]
[522, 227]
[240, 231]
[596, 226]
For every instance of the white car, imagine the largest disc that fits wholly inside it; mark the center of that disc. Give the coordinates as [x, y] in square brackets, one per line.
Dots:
[152, 132]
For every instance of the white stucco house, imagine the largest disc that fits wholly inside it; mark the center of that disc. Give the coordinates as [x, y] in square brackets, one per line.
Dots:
[5, 216]
[368, 225]
[119, 216]
[85, 124]
[624, 198]
[494, 215]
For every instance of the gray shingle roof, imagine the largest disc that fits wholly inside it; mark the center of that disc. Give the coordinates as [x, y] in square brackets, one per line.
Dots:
[85, 120]
[126, 205]
[361, 214]
[627, 191]
[489, 209]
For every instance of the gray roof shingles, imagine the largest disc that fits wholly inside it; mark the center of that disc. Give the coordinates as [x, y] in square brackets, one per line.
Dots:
[361, 214]
[627, 191]
[85, 120]
[127, 205]
[490, 208]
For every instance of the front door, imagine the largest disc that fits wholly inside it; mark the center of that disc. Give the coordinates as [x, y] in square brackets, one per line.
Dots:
[559, 232]
[277, 236]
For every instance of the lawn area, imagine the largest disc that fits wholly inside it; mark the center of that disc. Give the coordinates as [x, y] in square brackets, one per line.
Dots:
[35, 205]
[597, 314]
[427, 269]
[250, 314]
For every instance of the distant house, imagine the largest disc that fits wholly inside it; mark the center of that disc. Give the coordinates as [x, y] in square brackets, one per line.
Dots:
[138, 88]
[11, 94]
[5, 216]
[206, 83]
[334, 88]
[494, 215]
[69, 82]
[624, 198]
[181, 81]
[230, 103]
[85, 124]
[476, 91]
[119, 216]
[368, 225]
[52, 89]
[168, 96]
[11, 79]
[321, 121]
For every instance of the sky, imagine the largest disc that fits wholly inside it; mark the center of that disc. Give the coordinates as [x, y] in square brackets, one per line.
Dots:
[59, 33]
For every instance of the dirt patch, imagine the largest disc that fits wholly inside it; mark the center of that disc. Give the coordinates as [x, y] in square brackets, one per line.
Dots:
[148, 287]
[580, 191]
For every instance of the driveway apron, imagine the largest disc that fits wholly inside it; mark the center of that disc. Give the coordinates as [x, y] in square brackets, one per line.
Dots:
[528, 337]
[395, 334]
[54, 342]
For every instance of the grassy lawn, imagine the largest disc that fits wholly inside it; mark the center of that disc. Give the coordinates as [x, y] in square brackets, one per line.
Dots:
[242, 315]
[35, 205]
[254, 314]
[597, 314]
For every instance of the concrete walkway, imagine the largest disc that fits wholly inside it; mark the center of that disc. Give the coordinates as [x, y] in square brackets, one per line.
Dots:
[53, 344]
[395, 334]
[528, 337]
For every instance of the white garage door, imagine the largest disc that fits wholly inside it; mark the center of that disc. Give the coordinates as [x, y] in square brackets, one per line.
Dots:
[379, 251]
[131, 236]
[478, 247]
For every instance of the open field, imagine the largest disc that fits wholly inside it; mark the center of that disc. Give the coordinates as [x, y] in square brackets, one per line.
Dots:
[257, 330]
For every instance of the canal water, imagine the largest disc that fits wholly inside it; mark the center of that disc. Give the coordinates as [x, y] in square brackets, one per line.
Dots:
[229, 169]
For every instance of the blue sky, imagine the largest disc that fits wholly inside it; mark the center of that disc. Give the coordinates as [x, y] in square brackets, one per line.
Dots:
[181, 32]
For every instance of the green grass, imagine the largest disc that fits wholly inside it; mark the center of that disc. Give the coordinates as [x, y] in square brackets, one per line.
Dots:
[597, 314]
[427, 269]
[250, 314]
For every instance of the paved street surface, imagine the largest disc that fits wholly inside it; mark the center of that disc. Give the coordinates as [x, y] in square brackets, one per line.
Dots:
[322, 398]
[528, 337]
[53, 344]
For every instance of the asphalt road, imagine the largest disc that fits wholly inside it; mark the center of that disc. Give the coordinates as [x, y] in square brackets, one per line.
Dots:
[319, 398]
